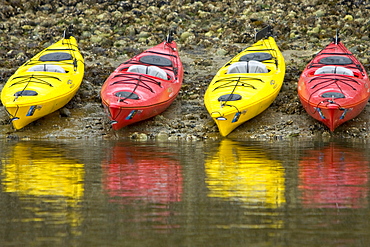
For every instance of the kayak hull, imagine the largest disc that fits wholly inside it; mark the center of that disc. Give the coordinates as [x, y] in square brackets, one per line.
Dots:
[134, 93]
[234, 98]
[334, 86]
[44, 84]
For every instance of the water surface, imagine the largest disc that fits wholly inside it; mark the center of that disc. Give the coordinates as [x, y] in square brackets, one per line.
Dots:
[226, 193]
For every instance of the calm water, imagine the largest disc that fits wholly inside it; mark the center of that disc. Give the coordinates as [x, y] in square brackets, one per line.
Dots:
[228, 193]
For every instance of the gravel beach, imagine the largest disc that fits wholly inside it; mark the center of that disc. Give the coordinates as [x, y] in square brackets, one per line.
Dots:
[208, 34]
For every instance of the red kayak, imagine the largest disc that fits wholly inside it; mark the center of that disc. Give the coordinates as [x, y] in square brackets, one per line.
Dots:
[143, 86]
[334, 86]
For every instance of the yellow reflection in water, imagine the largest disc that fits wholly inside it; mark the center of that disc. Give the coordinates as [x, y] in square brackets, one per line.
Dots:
[41, 175]
[245, 174]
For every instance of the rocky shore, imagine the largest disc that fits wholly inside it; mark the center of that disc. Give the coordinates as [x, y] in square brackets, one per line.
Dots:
[208, 33]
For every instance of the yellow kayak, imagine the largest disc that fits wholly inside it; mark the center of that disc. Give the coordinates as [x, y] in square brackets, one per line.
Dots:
[45, 83]
[247, 84]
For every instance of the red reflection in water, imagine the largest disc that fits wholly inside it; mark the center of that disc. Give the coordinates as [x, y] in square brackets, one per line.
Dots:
[142, 174]
[334, 177]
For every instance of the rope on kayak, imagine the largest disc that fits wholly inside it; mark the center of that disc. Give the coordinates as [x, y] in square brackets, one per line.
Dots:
[343, 79]
[72, 49]
[233, 106]
[66, 37]
[238, 81]
[174, 59]
[38, 79]
[122, 99]
[17, 96]
[231, 94]
[140, 81]
[334, 81]
[12, 117]
[328, 101]
[329, 81]
[132, 76]
[28, 80]
[352, 66]
[270, 50]
[267, 43]
[349, 55]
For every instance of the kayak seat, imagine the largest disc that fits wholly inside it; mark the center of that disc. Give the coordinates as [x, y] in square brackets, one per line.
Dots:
[247, 67]
[148, 70]
[47, 68]
[334, 70]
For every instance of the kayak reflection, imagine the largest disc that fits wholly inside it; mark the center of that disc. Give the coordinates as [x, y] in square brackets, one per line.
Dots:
[147, 181]
[142, 173]
[46, 182]
[334, 177]
[245, 174]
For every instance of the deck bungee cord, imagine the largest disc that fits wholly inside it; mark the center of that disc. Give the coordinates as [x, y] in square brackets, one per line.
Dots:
[38, 79]
[328, 101]
[229, 97]
[330, 81]
[230, 80]
[70, 50]
[343, 80]
[139, 82]
[352, 64]
[223, 103]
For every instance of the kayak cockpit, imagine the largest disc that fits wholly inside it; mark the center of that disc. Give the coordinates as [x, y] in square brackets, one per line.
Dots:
[247, 67]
